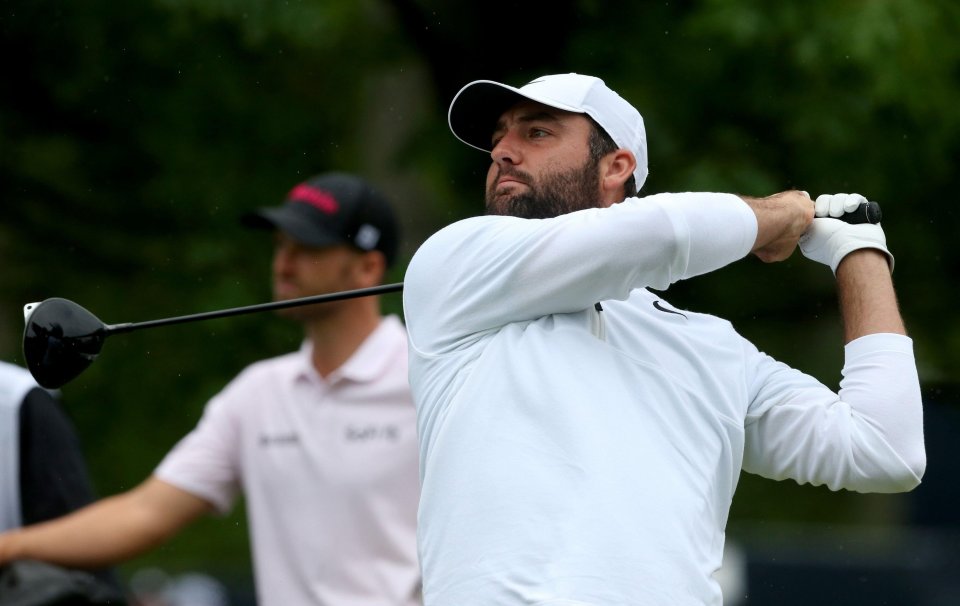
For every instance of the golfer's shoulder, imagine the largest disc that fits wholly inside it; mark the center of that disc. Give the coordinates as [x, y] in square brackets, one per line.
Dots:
[268, 371]
[459, 240]
[457, 231]
[15, 382]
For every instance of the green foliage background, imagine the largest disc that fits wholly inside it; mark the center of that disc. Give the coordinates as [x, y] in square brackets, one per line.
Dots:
[133, 135]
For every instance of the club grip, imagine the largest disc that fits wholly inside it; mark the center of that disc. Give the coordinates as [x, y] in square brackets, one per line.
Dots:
[867, 212]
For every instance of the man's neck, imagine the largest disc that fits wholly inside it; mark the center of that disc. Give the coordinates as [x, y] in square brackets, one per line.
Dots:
[336, 338]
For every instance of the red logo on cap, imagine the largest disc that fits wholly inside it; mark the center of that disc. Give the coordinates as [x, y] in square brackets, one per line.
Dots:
[314, 197]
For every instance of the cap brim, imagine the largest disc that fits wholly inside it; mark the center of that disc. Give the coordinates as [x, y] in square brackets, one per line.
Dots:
[293, 223]
[474, 111]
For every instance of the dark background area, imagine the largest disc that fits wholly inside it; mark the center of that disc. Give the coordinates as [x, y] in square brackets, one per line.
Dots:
[133, 135]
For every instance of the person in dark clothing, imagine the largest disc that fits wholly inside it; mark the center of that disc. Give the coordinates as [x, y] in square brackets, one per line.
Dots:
[43, 475]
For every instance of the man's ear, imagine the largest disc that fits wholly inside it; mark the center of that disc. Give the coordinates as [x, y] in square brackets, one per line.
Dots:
[371, 268]
[615, 169]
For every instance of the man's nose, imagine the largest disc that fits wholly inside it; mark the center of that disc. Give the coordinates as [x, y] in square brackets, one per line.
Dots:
[282, 260]
[506, 151]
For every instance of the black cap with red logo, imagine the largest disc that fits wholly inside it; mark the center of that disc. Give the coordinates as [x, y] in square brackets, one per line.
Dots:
[334, 208]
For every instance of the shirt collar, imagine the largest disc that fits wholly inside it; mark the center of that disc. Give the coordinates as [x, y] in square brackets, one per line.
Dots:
[367, 363]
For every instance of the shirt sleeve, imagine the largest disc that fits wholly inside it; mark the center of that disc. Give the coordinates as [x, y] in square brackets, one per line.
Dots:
[205, 462]
[485, 272]
[867, 438]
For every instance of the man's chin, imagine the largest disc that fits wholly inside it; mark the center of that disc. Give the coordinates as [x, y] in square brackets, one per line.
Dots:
[303, 313]
[504, 204]
[495, 209]
[286, 294]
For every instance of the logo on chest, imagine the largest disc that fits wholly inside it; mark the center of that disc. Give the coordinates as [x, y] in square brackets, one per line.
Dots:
[371, 433]
[279, 439]
[659, 307]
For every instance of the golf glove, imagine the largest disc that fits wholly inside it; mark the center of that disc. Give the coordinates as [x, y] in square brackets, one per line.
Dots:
[828, 240]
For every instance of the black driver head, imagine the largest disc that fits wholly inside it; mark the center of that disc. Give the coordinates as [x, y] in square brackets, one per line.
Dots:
[60, 340]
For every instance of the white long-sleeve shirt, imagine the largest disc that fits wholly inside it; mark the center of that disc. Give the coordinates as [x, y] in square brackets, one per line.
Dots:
[573, 456]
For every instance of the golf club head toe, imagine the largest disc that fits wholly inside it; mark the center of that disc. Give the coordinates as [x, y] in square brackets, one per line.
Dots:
[60, 340]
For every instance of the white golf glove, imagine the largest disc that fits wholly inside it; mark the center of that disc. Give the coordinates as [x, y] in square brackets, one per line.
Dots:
[829, 240]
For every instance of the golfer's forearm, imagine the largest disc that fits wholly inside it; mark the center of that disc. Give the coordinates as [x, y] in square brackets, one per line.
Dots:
[868, 302]
[108, 531]
[781, 220]
[101, 534]
[769, 220]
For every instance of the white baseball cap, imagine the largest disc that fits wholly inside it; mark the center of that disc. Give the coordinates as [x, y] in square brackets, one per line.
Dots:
[475, 110]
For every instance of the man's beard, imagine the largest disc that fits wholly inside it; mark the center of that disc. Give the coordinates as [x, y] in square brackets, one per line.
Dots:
[555, 195]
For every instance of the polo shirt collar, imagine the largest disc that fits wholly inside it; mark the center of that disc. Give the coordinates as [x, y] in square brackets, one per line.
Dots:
[367, 363]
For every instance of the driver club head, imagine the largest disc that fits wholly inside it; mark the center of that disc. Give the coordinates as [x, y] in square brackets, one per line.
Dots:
[60, 340]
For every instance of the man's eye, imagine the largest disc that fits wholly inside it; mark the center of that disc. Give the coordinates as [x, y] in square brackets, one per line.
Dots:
[537, 133]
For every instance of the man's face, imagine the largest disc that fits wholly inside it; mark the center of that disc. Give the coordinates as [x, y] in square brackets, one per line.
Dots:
[304, 271]
[541, 163]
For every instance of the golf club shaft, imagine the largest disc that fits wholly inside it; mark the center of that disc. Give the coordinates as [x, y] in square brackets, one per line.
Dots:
[236, 311]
